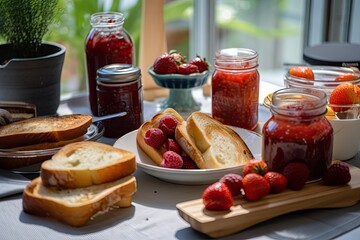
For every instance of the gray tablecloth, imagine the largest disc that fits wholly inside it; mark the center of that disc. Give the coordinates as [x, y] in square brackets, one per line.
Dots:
[153, 214]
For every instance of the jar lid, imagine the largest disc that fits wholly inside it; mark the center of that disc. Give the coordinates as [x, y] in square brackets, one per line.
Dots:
[118, 73]
[333, 54]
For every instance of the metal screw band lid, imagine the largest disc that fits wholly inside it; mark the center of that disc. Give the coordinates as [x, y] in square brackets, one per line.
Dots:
[118, 73]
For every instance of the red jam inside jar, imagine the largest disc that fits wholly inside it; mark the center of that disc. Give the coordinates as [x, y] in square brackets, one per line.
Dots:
[298, 131]
[235, 88]
[119, 89]
[107, 42]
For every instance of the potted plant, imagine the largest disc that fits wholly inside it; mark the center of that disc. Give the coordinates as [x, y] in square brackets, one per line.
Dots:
[30, 69]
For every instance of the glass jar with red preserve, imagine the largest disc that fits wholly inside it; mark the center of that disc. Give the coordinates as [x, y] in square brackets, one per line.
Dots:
[119, 89]
[107, 42]
[298, 131]
[235, 87]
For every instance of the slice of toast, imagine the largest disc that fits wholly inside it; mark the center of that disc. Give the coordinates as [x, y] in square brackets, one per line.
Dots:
[77, 206]
[84, 164]
[210, 143]
[155, 154]
[44, 129]
[48, 145]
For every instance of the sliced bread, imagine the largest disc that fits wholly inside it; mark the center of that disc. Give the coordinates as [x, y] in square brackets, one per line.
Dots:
[84, 164]
[155, 155]
[44, 129]
[210, 143]
[77, 206]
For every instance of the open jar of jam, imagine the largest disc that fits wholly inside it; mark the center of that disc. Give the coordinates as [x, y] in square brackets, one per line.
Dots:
[298, 131]
[107, 42]
[235, 87]
[119, 89]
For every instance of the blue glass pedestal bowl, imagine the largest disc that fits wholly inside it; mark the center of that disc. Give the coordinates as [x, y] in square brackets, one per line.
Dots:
[180, 86]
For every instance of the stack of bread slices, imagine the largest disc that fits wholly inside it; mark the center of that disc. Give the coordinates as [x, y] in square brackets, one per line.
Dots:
[81, 180]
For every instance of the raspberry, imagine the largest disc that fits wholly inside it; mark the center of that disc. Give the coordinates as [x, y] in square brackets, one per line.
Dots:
[154, 137]
[168, 125]
[297, 174]
[233, 182]
[189, 163]
[337, 174]
[173, 146]
[171, 160]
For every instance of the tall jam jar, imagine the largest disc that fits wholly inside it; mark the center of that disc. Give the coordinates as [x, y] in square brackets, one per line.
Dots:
[119, 89]
[298, 131]
[107, 42]
[235, 87]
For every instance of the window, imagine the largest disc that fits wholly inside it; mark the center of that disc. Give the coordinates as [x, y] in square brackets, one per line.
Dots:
[272, 28]
[277, 29]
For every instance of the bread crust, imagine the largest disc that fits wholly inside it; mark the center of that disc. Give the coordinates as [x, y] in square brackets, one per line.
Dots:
[48, 202]
[66, 169]
[43, 129]
[48, 145]
[156, 155]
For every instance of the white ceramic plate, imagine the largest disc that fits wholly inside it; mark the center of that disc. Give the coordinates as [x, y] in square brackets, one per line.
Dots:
[187, 176]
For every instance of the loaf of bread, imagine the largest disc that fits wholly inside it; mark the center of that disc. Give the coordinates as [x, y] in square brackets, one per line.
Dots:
[43, 129]
[77, 206]
[211, 144]
[84, 164]
[155, 155]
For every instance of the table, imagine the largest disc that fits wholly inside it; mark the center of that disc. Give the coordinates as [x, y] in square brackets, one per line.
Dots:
[153, 214]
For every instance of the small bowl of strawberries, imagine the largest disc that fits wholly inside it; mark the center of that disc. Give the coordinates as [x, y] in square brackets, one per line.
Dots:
[325, 78]
[171, 70]
[344, 116]
[341, 85]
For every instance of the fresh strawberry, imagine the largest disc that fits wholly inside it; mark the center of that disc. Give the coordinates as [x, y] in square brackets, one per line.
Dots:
[165, 64]
[168, 125]
[337, 174]
[343, 94]
[297, 174]
[255, 186]
[189, 163]
[188, 69]
[233, 182]
[171, 160]
[346, 77]
[278, 181]
[201, 63]
[255, 166]
[302, 72]
[217, 197]
[179, 58]
[154, 137]
[357, 90]
[172, 145]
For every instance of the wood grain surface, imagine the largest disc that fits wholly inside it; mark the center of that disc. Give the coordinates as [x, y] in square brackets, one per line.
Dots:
[244, 214]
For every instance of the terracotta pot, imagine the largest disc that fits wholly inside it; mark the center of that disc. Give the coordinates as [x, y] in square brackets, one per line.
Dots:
[33, 80]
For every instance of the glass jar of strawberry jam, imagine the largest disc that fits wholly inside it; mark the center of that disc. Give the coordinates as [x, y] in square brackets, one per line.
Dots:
[107, 42]
[235, 87]
[298, 131]
[119, 89]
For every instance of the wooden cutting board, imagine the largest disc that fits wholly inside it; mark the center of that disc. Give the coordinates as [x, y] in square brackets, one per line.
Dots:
[244, 214]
